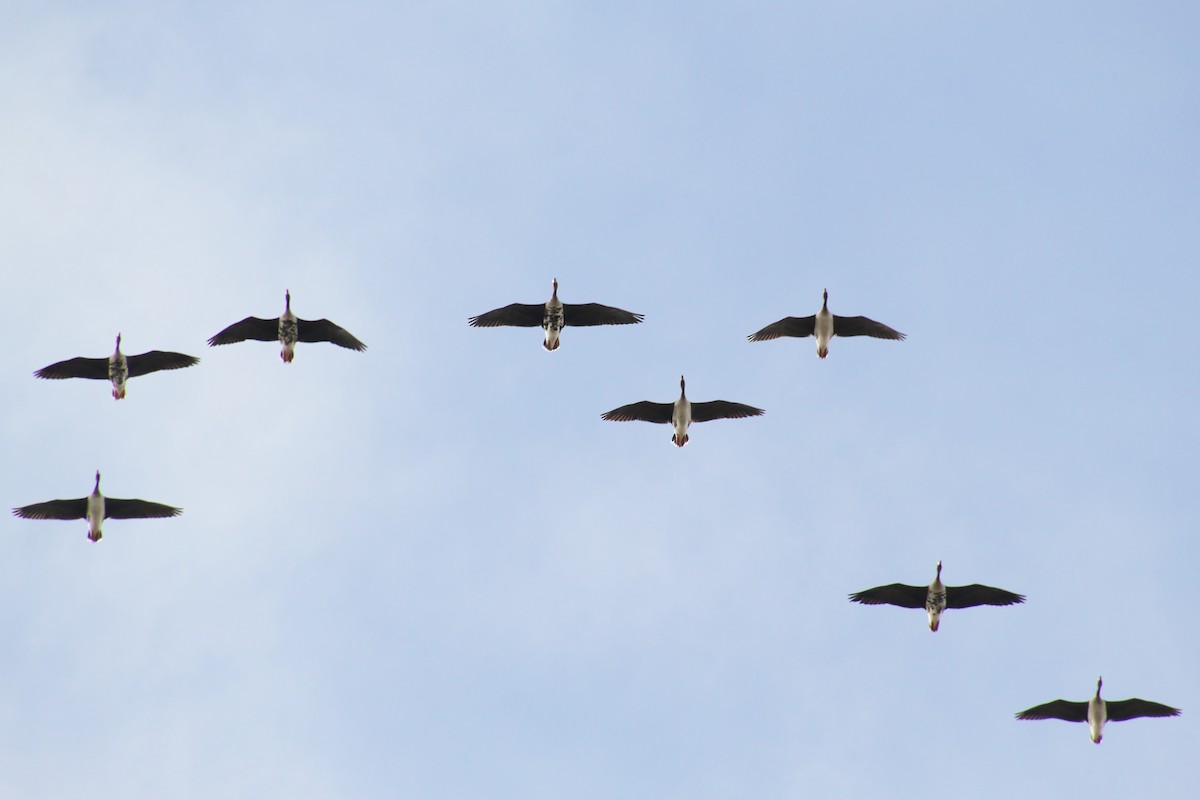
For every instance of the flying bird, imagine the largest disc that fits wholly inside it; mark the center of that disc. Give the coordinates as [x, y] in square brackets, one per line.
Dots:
[117, 368]
[287, 329]
[681, 413]
[1097, 711]
[96, 508]
[553, 315]
[936, 597]
[825, 326]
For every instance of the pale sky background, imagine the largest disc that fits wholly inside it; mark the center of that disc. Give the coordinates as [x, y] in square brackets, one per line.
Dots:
[431, 570]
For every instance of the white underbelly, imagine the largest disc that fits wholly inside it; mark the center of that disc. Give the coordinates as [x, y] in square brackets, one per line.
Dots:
[95, 515]
[682, 417]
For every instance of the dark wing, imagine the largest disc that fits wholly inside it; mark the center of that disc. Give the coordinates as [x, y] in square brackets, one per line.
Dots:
[521, 315]
[788, 326]
[861, 326]
[1069, 710]
[1121, 710]
[94, 368]
[157, 360]
[722, 409]
[586, 314]
[894, 594]
[322, 330]
[979, 595]
[261, 330]
[115, 508]
[54, 509]
[645, 411]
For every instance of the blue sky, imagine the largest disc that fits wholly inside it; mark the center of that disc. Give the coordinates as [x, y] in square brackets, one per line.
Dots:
[430, 570]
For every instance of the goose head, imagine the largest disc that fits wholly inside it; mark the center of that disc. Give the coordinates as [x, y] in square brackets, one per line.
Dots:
[1099, 683]
[824, 299]
[96, 488]
[682, 390]
[554, 291]
[287, 301]
[118, 342]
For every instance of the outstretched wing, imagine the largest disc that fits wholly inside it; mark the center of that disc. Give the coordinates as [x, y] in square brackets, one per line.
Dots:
[1068, 710]
[91, 368]
[322, 330]
[54, 509]
[256, 328]
[1121, 710]
[894, 594]
[521, 315]
[788, 326]
[722, 409]
[644, 411]
[862, 326]
[115, 508]
[979, 595]
[157, 360]
[587, 314]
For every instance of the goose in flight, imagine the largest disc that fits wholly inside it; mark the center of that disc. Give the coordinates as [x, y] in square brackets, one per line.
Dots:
[825, 326]
[117, 368]
[553, 315]
[681, 413]
[936, 597]
[287, 329]
[1097, 711]
[96, 508]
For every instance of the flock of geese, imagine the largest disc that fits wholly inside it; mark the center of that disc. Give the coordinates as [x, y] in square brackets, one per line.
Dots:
[118, 368]
[552, 316]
